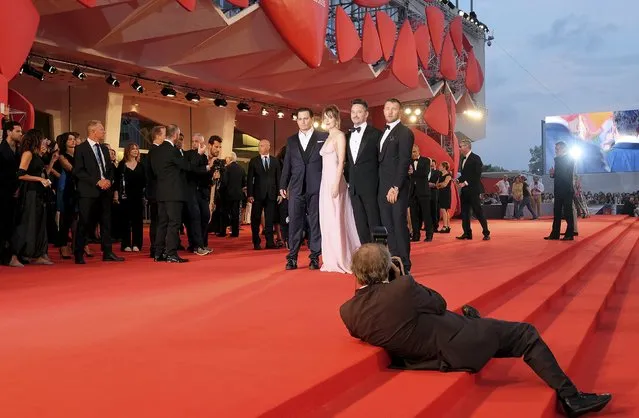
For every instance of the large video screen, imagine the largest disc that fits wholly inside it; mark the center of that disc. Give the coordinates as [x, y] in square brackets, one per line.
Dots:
[601, 142]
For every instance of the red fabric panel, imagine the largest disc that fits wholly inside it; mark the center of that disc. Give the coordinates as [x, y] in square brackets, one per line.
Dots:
[371, 46]
[456, 154]
[346, 36]
[371, 3]
[456, 31]
[466, 43]
[474, 79]
[452, 113]
[387, 31]
[404, 65]
[16, 34]
[87, 3]
[4, 99]
[422, 42]
[19, 102]
[447, 60]
[187, 4]
[239, 3]
[436, 115]
[435, 20]
[302, 25]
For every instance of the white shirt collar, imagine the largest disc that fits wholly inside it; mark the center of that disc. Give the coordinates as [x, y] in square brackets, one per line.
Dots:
[393, 124]
[308, 133]
[469, 152]
[363, 126]
[166, 140]
[92, 142]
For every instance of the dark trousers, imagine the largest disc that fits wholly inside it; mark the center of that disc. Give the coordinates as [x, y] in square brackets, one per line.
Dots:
[302, 209]
[193, 220]
[470, 201]
[394, 218]
[517, 339]
[153, 227]
[504, 205]
[168, 233]
[366, 211]
[233, 210]
[420, 207]
[94, 208]
[268, 206]
[283, 209]
[132, 211]
[202, 200]
[563, 208]
[434, 208]
[68, 219]
[7, 224]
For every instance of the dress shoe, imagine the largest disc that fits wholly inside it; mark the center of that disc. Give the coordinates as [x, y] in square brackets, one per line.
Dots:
[568, 238]
[314, 264]
[583, 403]
[111, 257]
[80, 260]
[428, 239]
[176, 259]
[291, 264]
[470, 312]
[551, 238]
[257, 247]
[464, 236]
[486, 237]
[160, 258]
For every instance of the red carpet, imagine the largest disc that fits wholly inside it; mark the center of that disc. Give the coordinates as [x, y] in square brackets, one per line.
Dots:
[234, 335]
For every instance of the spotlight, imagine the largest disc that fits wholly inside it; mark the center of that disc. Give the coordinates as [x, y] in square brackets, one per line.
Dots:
[575, 152]
[474, 114]
[112, 81]
[244, 107]
[408, 111]
[481, 26]
[451, 5]
[294, 116]
[280, 114]
[220, 102]
[461, 12]
[168, 92]
[192, 97]
[29, 70]
[412, 119]
[79, 74]
[137, 86]
[316, 124]
[48, 68]
[264, 111]
[323, 127]
[418, 111]
[472, 16]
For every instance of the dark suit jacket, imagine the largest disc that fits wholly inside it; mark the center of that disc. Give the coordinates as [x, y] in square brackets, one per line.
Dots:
[394, 159]
[362, 174]
[419, 179]
[234, 181]
[564, 172]
[198, 181]
[302, 171]
[262, 184]
[472, 174]
[87, 171]
[169, 167]
[151, 180]
[411, 322]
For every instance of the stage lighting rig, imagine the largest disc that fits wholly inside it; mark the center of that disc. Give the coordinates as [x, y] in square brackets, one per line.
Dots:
[137, 86]
[220, 102]
[192, 97]
[112, 81]
[168, 92]
[48, 68]
[29, 70]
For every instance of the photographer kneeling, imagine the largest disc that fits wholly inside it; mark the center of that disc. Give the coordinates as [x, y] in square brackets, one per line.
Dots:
[411, 323]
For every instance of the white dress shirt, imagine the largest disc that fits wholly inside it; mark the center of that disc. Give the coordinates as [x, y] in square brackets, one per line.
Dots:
[387, 132]
[100, 156]
[356, 140]
[464, 163]
[305, 138]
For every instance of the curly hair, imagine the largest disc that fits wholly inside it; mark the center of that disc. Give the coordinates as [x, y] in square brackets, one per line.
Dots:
[32, 140]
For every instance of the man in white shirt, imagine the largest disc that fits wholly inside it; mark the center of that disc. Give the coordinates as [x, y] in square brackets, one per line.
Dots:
[536, 191]
[503, 187]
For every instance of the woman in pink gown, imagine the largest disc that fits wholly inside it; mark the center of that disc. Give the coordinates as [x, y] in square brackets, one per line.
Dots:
[337, 223]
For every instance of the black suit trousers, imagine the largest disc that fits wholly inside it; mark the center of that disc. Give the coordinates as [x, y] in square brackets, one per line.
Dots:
[195, 219]
[268, 206]
[366, 211]
[394, 218]
[94, 208]
[233, 210]
[153, 227]
[8, 206]
[563, 208]
[168, 233]
[420, 213]
[132, 211]
[470, 201]
[302, 209]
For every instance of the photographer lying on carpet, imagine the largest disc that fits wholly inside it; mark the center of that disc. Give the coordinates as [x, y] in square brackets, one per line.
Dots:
[411, 323]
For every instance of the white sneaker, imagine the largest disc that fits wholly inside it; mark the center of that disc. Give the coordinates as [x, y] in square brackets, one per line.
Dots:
[136, 250]
[127, 249]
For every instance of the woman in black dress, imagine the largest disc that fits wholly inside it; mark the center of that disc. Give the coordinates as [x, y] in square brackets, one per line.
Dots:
[30, 236]
[67, 199]
[129, 194]
[443, 185]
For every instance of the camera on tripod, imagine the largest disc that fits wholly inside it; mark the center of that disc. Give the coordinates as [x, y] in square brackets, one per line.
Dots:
[379, 235]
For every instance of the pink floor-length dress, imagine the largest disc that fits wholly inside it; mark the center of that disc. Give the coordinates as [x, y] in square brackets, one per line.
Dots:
[337, 223]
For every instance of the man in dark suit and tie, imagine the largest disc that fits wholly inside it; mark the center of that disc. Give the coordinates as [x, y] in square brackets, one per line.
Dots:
[420, 175]
[471, 187]
[396, 147]
[197, 198]
[234, 183]
[300, 182]
[94, 172]
[362, 170]
[158, 134]
[169, 166]
[263, 180]
[411, 322]
[435, 174]
[563, 173]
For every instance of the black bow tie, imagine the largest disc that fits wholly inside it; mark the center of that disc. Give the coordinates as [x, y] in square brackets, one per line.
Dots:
[358, 129]
[388, 127]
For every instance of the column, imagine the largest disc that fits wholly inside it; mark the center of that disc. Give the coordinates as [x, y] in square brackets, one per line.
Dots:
[96, 102]
[213, 120]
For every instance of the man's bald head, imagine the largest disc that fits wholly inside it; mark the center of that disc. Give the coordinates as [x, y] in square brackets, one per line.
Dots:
[265, 147]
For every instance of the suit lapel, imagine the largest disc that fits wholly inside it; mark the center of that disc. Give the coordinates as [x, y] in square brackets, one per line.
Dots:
[312, 143]
[386, 142]
[351, 160]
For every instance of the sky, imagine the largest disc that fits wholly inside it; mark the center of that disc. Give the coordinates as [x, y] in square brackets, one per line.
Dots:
[584, 52]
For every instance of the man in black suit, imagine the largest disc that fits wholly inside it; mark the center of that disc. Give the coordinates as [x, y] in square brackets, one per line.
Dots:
[435, 174]
[158, 134]
[362, 170]
[9, 184]
[300, 182]
[420, 175]
[396, 147]
[264, 173]
[234, 183]
[94, 172]
[470, 184]
[168, 167]
[198, 195]
[563, 173]
[411, 322]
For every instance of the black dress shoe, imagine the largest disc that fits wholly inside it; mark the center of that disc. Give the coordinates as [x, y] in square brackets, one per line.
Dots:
[470, 312]
[111, 257]
[551, 238]
[486, 237]
[257, 247]
[80, 260]
[314, 264]
[160, 258]
[568, 238]
[583, 403]
[428, 239]
[464, 236]
[176, 259]
[291, 264]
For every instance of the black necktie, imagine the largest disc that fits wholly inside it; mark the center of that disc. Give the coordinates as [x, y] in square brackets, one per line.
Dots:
[98, 154]
[266, 163]
[358, 129]
[388, 127]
